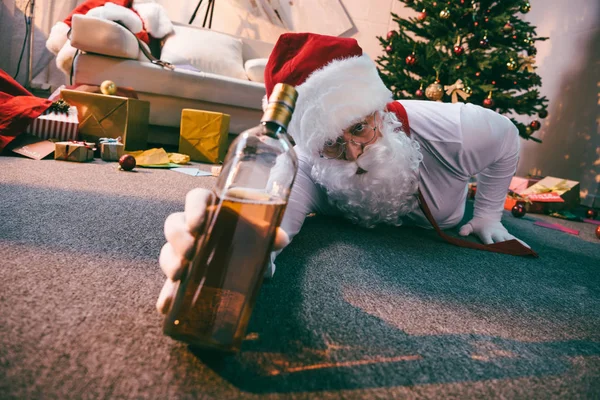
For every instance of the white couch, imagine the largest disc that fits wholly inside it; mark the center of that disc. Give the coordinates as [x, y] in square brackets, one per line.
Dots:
[111, 52]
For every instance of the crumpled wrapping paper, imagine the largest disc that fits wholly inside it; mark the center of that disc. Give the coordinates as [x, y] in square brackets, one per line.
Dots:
[159, 158]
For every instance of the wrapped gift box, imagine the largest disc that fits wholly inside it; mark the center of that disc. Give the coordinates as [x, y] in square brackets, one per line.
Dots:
[552, 194]
[204, 135]
[518, 184]
[102, 116]
[74, 151]
[56, 125]
[111, 149]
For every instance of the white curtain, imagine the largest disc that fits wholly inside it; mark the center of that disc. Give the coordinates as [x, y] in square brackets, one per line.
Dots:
[12, 35]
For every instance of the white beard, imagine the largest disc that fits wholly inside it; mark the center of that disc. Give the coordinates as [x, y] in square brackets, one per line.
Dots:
[387, 191]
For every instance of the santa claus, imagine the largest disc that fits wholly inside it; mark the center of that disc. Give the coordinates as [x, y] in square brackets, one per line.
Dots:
[145, 18]
[366, 157]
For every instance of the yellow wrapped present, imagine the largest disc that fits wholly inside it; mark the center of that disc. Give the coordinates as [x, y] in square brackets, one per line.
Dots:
[204, 135]
[102, 116]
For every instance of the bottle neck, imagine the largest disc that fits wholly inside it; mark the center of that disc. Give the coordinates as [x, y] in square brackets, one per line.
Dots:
[274, 129]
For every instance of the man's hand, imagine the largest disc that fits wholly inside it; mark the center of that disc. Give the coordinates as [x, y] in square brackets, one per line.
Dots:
[182, 231]
[489, 231]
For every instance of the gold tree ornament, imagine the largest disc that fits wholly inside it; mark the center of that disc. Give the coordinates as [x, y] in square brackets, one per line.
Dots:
[434, 91]
[527, 63]
[508, 27]
[457, 90]
[512, 64]
[525, 7]
[108, 88]
[445, 14]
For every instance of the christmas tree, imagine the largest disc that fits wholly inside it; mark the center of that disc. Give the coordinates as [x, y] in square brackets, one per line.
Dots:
[480, 52]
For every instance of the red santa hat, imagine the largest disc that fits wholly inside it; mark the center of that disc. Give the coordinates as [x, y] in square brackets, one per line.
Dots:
[337, 85]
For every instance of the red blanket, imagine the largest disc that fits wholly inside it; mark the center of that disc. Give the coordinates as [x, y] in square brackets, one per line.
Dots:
[18, 108]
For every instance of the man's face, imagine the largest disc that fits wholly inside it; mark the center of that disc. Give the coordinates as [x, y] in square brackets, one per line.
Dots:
[351, 144]
[370, 172]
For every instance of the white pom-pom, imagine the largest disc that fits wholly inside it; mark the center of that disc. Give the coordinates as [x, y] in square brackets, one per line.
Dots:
[57, 37]
[65, 57]
[156, 20]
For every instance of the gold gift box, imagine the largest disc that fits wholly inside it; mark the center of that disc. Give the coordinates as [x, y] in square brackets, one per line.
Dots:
[203, 135]
[74, 151]
[102, 116]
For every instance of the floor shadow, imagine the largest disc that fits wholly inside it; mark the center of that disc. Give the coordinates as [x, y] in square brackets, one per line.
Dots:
[314, 326]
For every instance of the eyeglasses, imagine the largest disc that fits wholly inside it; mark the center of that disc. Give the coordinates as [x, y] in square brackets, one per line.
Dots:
[360, 134]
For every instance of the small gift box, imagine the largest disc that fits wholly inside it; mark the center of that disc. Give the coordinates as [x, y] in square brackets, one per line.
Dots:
[515, 188]
[111, 116]
[204, 135]
[552, 194]
[518, 184]
[111, 149]
[56, 125]
[74, 151]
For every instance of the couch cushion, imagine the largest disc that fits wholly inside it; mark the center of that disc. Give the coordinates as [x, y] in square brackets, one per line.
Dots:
[146, 77]
[101, 36]
[255, 69]
[209, 51]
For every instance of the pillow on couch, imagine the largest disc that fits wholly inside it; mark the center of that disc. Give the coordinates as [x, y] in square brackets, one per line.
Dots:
[255, 69]
[209, 51]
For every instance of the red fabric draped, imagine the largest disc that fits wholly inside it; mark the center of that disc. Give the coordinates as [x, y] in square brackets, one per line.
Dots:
[18, 108]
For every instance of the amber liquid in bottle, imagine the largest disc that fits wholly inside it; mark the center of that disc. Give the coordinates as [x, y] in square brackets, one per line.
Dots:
[214, 305]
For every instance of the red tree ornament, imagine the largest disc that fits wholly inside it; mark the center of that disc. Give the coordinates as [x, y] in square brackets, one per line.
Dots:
[518, 211]
[598, 231]
[591, 213]
[391, 34]
[419, 92]
[127, 162]
[459, 50]
[389, 49]
[422, 15]
[411, 59]
[535, 125]
[489, 102]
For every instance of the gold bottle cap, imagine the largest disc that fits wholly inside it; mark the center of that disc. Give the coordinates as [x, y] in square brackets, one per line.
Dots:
[281, 105]
[284, 93]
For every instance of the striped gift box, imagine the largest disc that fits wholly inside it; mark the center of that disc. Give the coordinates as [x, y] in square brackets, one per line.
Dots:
[53, 125]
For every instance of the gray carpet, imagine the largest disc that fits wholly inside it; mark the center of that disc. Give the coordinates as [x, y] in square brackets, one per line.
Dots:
[351, 313]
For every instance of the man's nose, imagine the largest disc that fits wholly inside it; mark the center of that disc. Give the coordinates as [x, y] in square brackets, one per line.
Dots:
[353, 151]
